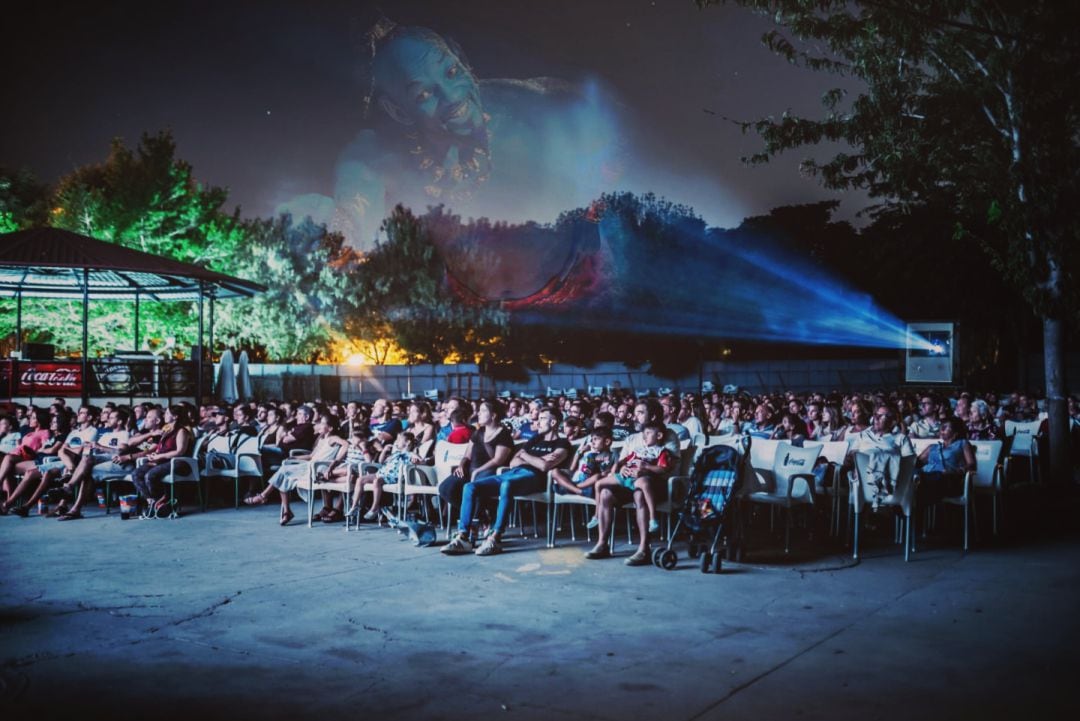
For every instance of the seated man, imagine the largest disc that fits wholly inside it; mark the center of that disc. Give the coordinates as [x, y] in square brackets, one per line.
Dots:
[528, 474]
[98, 458]
[880, 441]
[613, 493]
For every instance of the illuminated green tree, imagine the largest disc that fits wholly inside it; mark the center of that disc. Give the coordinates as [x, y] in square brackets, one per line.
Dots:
[310, 274]
[968, 105]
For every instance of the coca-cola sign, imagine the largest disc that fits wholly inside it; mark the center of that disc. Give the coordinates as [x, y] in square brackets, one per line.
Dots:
[56, 379]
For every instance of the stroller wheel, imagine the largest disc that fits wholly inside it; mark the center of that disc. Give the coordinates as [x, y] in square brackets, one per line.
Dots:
[669, 559]
[706, 562]
[718, 561]
[694, 550]
[656, 556]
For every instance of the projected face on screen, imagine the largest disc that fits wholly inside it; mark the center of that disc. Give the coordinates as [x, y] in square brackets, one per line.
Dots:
[517, 151]
[421, 81]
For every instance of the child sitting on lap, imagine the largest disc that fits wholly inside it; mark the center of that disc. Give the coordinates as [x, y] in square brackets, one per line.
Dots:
[640, 467]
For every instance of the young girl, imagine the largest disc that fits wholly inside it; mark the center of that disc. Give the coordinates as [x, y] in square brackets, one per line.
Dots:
[394, 459]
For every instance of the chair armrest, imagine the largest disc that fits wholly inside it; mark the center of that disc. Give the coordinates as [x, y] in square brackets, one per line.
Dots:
[422, 473]
[299, 452]
[192, 463]
[807, 478]
[678, 489]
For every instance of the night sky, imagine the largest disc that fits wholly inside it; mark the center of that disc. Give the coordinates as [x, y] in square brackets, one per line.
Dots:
[262, 96]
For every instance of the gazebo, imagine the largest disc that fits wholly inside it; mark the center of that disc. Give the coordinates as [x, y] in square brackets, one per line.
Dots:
[55, 263]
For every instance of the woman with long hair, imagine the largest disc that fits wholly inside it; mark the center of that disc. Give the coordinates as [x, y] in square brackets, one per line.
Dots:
[177, 439]
[329, 447]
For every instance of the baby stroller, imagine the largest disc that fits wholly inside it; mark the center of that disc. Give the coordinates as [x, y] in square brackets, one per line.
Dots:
[705, 513]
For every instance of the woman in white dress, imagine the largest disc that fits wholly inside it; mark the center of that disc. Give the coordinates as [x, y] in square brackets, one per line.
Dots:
[294, 472]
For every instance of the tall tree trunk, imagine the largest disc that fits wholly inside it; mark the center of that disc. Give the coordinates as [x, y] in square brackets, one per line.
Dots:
[1054, 363]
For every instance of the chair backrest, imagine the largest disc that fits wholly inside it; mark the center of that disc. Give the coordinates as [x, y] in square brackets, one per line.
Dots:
[987, 456]
[904, 483]
[791, 461]
[686, 460]
[424, 449]
[447, 456]
[921, 444]
[763, 453]
[833, 451]
[1023, 436]
[247, 444]
[699, 439]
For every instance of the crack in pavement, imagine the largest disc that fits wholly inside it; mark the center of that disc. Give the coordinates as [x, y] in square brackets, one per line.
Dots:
[208, 611]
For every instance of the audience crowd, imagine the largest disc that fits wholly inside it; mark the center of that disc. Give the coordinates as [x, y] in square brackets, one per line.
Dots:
[55, 456]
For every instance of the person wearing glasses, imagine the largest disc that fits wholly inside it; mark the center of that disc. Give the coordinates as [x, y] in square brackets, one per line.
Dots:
[928, 425]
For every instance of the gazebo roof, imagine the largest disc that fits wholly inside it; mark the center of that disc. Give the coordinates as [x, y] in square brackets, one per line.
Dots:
[50, 263]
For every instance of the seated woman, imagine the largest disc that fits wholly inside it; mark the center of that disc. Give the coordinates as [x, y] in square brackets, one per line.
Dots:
[177, 439]
[394, 459]
[328, 447]
[792, 429]
[37, 443]
[943, 465]
[831, 427]
[980, 423]
[421, 422]
[714, 422]
[491, 447]
[51, 471]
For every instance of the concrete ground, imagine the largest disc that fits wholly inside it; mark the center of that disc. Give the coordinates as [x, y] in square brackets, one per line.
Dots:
[225, 614]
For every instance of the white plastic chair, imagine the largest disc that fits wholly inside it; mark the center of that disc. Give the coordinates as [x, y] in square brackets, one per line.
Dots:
[986, 479]
[1025, 444]
[792, 482]
[903, 497]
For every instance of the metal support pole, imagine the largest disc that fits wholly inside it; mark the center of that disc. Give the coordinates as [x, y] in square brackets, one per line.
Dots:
[86, 337]
[136, 320]
[199, 353]
[18, 321]
[211, 326]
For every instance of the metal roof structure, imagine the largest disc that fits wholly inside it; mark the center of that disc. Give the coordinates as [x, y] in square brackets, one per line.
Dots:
[53, 263]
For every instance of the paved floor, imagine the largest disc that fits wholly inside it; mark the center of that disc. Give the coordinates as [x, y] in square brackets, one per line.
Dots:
[226, 614]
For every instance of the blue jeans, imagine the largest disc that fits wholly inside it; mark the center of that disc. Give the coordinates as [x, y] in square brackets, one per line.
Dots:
[515, 482]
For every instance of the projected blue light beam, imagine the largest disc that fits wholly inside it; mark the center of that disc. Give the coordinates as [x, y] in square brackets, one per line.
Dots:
[690, 280]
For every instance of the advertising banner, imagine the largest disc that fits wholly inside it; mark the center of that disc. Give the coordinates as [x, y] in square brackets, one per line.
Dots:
[49, 379]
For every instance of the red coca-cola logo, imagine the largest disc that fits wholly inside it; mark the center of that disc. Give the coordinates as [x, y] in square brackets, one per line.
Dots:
[61, 377]
[50, 378]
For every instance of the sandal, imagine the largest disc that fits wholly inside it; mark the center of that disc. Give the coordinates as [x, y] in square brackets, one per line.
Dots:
[286, 516]
[332, 516]
[256, 500]
[58, 511]
[70, 516]
[21, 511]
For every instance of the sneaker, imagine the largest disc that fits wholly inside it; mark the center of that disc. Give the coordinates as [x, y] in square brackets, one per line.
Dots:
[653, 526]
[598, 553]
[459, 545]
[640, 558]
[593, 522]
[489, 547]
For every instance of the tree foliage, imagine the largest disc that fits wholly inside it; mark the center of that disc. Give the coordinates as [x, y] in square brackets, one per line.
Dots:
[309, 275]
[967, 105]
[402, 287]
